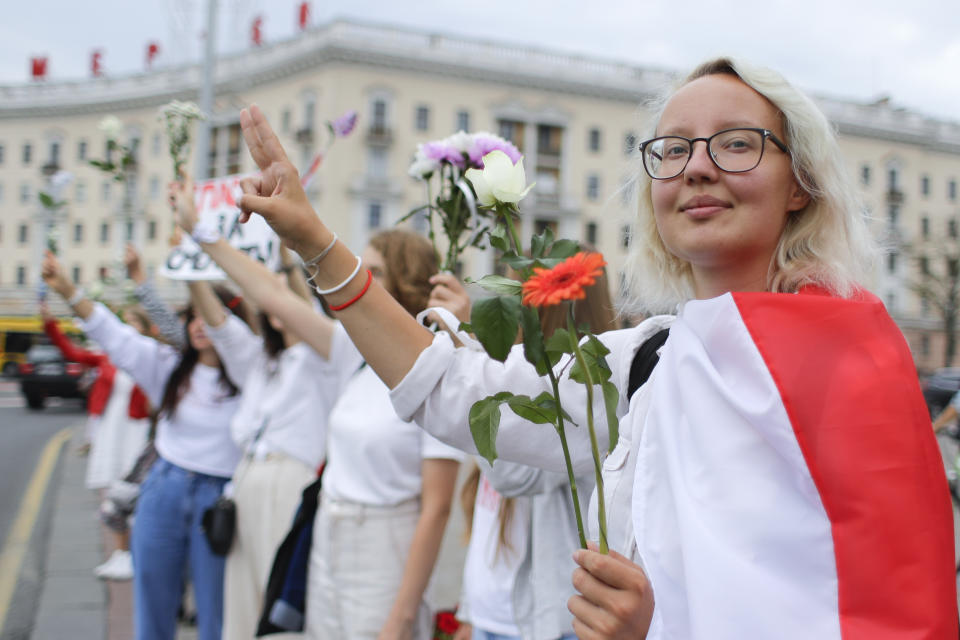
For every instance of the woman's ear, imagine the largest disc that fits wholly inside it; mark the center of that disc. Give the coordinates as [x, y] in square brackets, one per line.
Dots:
[799, 198]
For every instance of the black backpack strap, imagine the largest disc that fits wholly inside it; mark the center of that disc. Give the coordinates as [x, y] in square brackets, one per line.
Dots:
[644, 360]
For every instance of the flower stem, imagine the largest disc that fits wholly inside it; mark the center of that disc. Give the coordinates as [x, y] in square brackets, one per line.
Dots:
[430, 233]
[601, 507]
[566, 459]
[508, 216]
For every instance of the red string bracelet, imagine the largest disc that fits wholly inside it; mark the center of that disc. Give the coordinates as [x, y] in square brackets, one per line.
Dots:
[341, 307]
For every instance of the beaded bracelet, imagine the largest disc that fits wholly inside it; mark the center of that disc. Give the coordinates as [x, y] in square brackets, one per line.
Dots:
[326, 292]
[341, 307]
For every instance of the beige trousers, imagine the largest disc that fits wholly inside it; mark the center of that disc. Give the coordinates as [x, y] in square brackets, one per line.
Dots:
[356, 564]
[267, 495]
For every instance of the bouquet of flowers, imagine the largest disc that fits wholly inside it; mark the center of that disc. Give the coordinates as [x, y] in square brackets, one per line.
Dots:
[556, 272]
[462, 222]
[118, 169]
[178, 117]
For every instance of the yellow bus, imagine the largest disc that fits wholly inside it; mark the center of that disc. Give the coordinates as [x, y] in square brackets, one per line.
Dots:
[19, 333]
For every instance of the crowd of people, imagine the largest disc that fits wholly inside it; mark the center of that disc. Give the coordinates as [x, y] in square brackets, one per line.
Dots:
[775, 475]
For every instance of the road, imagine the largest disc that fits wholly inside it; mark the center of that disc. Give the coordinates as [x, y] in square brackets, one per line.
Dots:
[24, 434]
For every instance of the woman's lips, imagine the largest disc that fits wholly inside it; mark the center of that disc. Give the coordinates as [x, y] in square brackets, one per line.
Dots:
[700, 207]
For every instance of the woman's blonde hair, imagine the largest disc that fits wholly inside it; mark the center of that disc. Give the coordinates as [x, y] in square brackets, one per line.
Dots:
[410, 261]
[826, 243]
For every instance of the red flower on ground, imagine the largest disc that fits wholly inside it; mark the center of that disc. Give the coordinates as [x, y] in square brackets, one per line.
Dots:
[566, 281]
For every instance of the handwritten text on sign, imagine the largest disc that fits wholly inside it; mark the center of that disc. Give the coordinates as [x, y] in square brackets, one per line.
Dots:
[217, 202]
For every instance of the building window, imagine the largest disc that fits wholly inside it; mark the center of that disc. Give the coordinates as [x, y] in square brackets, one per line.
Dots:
[625, 236]
[865, 174]
[76, 274]
[513, 131]
[924, 307]
[27, 153]
[105, 191]
[549, 140]
[377, 163]
[925, 185]
[128, 228]
[892, 262]
[23, 233]
[82, 150]
[952, 191]
[154, 187]
[24, 193]
[924, 344]
[54, 159]
[925, 227]
[156, 145]
[423, 118]
[593, 188]
[78, 234]
[463, 121]
[81, 191]
[374, 215]
[893, 214]
[593, 140]
[152, 230]
[591, 233]
[104, 232]
[1, 154]
[1, 192]
[924, 264]
[21, 275]
[378, 123]
[285, 121]
[629, 143]
[952, 228]
[893, 179]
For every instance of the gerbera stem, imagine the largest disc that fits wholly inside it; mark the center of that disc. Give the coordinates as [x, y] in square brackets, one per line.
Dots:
[561, 431]
[595, 450]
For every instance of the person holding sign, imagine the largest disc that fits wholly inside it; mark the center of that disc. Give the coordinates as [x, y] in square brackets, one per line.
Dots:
[776, 475]
[195, 400]
[387, 486]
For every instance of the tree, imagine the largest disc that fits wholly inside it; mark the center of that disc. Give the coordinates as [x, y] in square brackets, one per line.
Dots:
[938, 284]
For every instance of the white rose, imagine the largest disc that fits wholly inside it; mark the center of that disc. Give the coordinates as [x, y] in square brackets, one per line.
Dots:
[500, 180]
[111, 127]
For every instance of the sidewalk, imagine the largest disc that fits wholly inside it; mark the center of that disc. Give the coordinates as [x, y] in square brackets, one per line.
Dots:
[73, 604]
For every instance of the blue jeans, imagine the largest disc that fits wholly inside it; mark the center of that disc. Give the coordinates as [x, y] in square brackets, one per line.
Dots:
[166, 538]
[480, 634]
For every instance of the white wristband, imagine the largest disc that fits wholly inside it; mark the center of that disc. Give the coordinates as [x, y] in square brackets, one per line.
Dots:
[353, 274]
[77, 296]
[205, 232]
[323, 254]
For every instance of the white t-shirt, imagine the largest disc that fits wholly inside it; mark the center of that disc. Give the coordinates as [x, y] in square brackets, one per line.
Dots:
[490, 570]
[374, 457]
[197, 435]
[289, 397]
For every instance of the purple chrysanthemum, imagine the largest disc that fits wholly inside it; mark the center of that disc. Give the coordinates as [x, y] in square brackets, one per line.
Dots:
[343, 125]
[484, 144]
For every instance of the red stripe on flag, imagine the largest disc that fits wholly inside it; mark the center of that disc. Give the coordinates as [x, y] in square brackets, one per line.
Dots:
[850, 388]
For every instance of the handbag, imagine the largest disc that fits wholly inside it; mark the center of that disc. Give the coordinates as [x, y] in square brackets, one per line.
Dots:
[219, 525]
[219, 521]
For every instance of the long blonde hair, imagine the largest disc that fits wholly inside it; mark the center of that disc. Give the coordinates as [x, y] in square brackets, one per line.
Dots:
[826, 243]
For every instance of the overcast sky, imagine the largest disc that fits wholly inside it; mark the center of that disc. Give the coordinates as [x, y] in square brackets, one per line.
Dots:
[854, 49]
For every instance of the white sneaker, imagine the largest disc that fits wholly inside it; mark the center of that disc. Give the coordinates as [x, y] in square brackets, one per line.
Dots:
[119, 567]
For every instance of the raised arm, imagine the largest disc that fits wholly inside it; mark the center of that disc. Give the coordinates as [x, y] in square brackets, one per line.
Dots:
[259, 284]
[387, 336]
[167, 322]
[69, 350]
[233, 340]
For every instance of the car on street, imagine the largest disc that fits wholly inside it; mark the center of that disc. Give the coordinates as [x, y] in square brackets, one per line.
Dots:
[45, 374]
[939, 388]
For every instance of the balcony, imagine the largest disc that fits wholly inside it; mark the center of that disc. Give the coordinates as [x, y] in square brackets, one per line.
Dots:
[305, 136]
[379, 136]
[894, 196]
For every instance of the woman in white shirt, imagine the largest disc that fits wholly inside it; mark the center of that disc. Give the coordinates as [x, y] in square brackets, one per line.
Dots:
[196, 400]
[388, 485]
[772, 470]
[287, 390]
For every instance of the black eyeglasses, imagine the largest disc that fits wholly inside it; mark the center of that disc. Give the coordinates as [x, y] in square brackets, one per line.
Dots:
[732, 150]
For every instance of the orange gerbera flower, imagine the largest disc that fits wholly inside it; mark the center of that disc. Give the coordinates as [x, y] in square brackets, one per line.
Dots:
[566, 281]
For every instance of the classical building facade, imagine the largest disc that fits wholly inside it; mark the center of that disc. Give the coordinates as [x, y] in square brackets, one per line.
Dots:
[575, 118]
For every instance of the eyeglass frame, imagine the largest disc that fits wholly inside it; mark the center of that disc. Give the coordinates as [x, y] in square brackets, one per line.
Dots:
[765, 133]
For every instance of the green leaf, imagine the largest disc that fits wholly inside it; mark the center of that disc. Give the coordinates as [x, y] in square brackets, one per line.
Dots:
[465, 326]
[547, 401]
[529, 409]
[533, 347]
[47, 200]
[485, 422]
[499, 285]
[563, 249]
[594, 353]
[611, 398]
[498, 238]
[103, 166]
[413, 212]
[495, 321]
[557, 345]
[517, 263]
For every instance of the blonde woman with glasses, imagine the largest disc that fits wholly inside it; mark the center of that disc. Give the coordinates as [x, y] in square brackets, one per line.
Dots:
[776, 475]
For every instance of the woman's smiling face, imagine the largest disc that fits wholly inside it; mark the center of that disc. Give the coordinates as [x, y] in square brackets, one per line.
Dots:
[726, 225]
